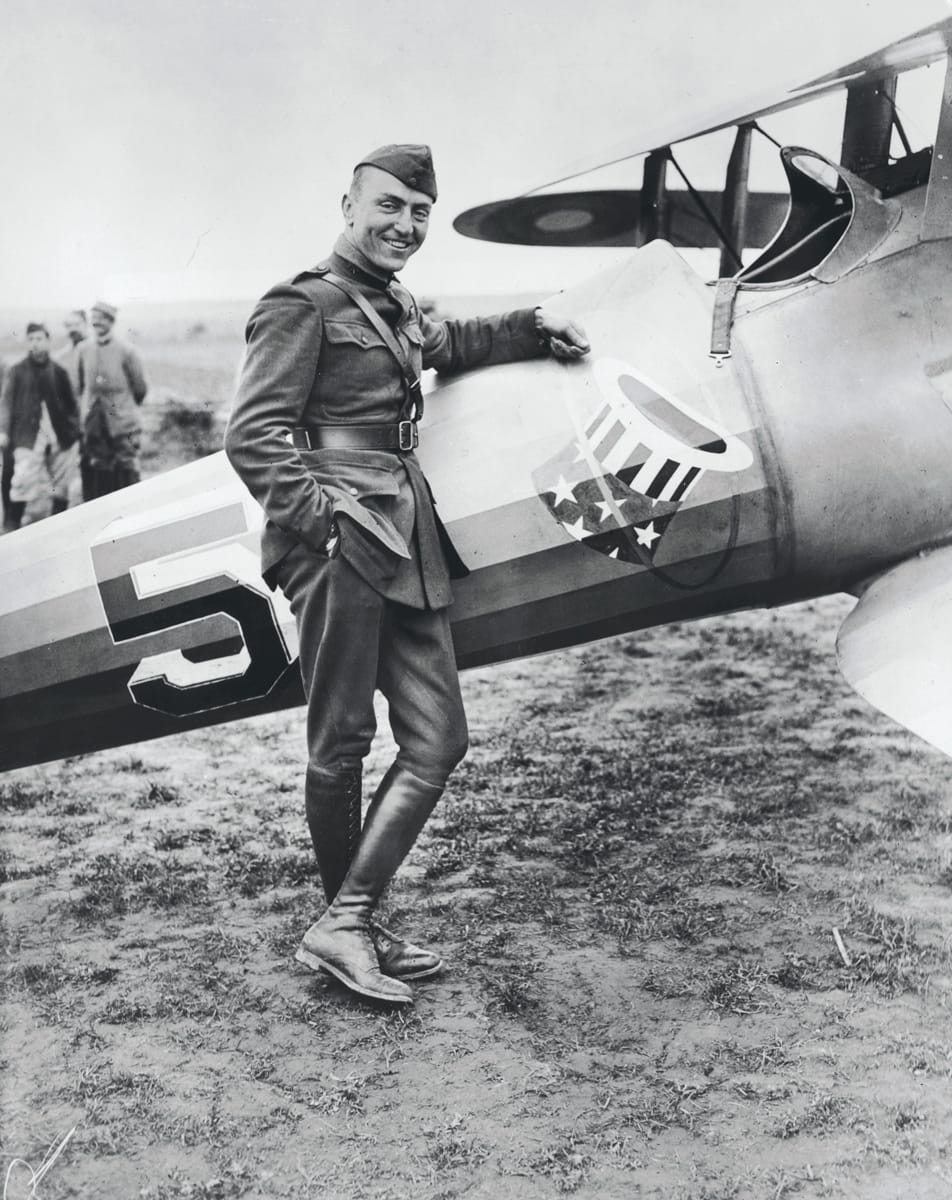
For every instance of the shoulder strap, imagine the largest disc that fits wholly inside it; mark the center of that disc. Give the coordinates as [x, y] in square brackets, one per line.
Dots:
[414, 392]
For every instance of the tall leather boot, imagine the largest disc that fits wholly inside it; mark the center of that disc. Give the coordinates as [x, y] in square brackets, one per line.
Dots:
[15, 511]
[341, 942]
[398, 957]
[60, 504]
[332, 804]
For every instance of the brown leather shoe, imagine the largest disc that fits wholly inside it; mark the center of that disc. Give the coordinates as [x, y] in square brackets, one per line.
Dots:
[345, 949]
[400, 958]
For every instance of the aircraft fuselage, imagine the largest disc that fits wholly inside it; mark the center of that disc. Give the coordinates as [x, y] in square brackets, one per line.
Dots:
[644, 485]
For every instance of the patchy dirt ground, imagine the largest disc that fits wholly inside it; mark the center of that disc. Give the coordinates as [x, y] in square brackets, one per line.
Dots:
[635, 878]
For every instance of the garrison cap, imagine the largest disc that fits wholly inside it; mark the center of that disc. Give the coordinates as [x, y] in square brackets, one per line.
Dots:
[37, 327]
[107, 310]
[412, 165]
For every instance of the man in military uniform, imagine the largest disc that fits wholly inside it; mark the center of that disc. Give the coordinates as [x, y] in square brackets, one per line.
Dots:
[113, 387]
[6, 463]
[77, 331]
[39, 426]
[322, 433]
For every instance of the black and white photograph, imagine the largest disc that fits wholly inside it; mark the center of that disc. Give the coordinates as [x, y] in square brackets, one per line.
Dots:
[476, 600]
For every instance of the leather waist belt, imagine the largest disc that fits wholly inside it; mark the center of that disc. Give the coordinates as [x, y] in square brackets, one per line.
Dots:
[398, 436]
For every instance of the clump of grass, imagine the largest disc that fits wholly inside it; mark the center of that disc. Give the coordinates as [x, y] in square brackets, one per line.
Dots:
[11, 867]
[724, 705]
[736, 988]
[178, 839]
[253, 874]
[17, 796]
[896, 962]
[236, 1180]
[134, 765]
[448, 1148]
[667, 984]
[531, 894]
[125, 1010]
[114, 885]
[156, 794]
[75, 808]
[766, 1057]
[566, 1165]
[213, 995]
[512, 988]
[641, 910]
[838, 833]
[760, 869]
[824, 1116]
[797, 973]
[670, 1104]
[786, 794]
[99, 1082]
[908, 1116]
[343, 1095]
[447, 856]
[41, 979]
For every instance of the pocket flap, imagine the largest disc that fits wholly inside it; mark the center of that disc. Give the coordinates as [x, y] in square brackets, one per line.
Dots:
[353, 333]
[357, 483]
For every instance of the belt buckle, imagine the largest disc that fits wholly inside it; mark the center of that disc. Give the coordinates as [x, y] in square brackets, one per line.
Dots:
[407, 436]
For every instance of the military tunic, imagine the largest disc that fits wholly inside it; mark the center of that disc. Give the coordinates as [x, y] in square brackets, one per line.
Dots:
[375, 615]
[113, 387]
[39, 416]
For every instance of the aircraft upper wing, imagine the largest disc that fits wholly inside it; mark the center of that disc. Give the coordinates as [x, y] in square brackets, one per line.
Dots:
[895, 647]
[917, 50]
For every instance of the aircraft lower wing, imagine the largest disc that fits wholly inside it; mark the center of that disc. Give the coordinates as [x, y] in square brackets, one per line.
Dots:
[895, 647]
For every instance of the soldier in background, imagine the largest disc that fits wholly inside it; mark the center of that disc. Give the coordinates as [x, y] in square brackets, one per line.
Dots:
[6, 462]
[68, 357]
[39, 424]
[77, 331]
[113, 387]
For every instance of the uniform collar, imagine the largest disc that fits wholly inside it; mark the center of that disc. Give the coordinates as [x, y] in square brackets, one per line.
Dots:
[360, 267]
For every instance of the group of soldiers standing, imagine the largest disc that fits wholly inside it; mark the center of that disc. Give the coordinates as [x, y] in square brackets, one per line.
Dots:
[69, 421]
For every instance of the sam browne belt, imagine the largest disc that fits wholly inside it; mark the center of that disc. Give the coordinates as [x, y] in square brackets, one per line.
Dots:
[399, 436]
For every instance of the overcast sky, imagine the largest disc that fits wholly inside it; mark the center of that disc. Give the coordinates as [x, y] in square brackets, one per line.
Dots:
[190, 148]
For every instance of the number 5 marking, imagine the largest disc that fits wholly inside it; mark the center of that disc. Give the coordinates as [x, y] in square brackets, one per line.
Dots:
[190, 584]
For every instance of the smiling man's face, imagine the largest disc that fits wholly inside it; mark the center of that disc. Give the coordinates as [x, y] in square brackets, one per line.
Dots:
[386, 220]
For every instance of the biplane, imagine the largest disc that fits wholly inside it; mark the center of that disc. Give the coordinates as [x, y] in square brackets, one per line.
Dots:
[776, 434]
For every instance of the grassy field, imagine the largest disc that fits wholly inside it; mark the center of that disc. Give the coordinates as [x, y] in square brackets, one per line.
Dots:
[694, 895]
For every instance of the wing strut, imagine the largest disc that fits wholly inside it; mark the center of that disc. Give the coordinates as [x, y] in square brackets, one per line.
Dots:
[705, 211]
[734, 209]
[868, 125]
[655, 211]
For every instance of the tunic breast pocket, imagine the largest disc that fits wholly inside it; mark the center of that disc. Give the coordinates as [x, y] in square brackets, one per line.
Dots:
[352, 334]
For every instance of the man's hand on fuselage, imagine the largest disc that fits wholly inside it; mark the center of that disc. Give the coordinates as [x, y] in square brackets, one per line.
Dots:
[566, 339]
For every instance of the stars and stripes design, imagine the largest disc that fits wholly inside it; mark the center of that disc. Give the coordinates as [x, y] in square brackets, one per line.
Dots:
[605, 513]
[617, 487]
